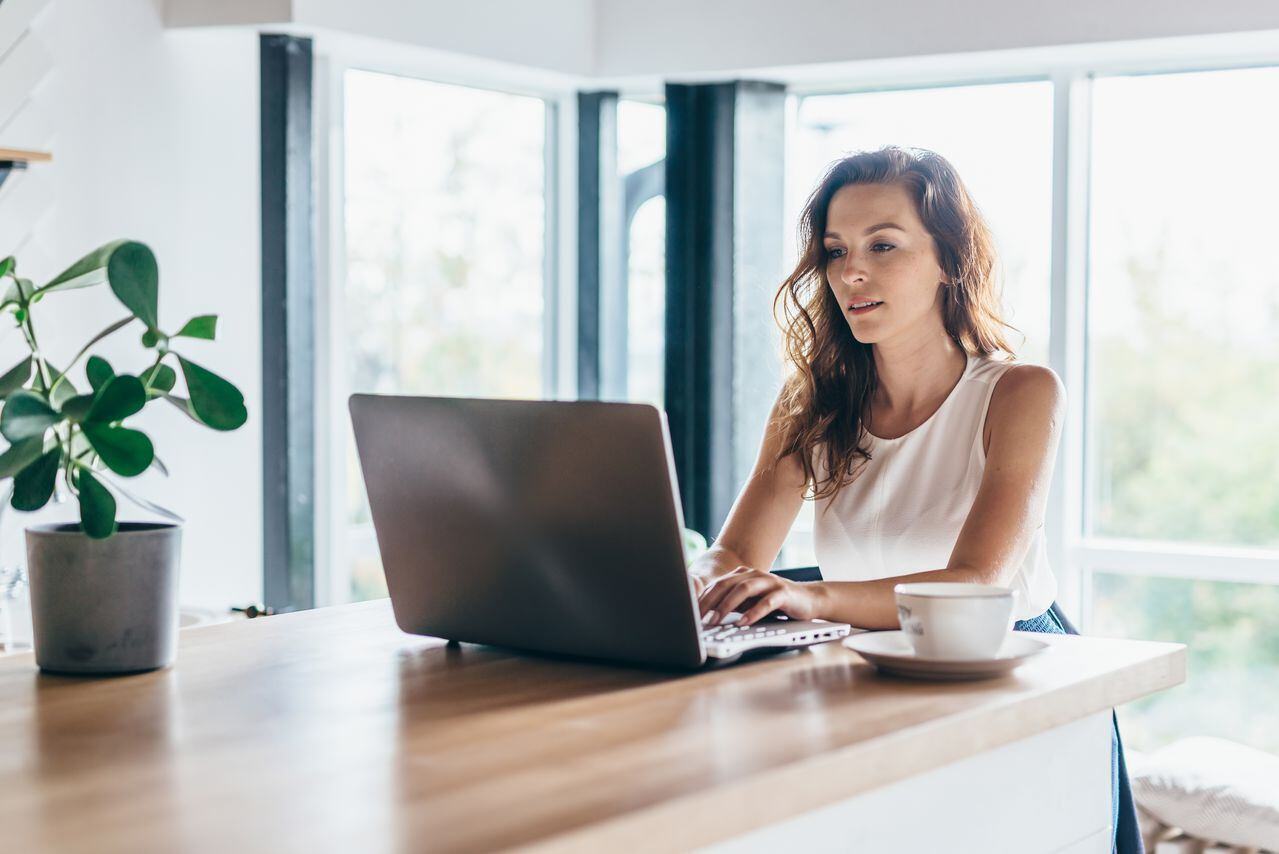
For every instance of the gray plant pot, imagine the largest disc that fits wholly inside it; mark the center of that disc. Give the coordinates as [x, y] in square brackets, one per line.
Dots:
[104, 606]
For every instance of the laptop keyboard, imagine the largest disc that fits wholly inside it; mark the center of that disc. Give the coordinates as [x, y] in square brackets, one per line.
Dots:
[741, 633]
[730, 639]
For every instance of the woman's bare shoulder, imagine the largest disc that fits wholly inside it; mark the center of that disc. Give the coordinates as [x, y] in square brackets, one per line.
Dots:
[1025, 396]
[1025, 382]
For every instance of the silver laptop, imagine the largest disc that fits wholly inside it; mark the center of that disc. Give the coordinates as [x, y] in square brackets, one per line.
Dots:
[551, 526]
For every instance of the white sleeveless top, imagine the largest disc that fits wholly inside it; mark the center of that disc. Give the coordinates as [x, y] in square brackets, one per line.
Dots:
[903, 513]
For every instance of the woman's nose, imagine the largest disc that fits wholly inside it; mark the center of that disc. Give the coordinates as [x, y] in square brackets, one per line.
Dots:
[851, 272]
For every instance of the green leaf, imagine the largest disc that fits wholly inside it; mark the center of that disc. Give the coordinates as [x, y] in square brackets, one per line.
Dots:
[121, 397]
[88, 271]
[19, 291]
[153, 338]
[184, 406]
[135, 280]
[20, 455]
[99, 372]
[15, 378]
[34, 484]
[7, 265]
[97, 507]
[77, 408]
[205, 326]
[162, 380]
[64, 392]
[215, 401]
[26, 415]
[126, 452]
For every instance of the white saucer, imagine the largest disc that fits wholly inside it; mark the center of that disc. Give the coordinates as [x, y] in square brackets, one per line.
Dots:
[891, 652]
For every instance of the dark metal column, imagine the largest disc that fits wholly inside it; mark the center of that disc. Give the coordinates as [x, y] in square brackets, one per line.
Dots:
[723, 140]
[288, 331]
[598, 193]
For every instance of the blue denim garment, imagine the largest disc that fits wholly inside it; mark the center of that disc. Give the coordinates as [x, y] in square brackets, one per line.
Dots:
[1125, 832]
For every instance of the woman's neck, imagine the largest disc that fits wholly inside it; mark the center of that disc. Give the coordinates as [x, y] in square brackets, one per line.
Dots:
[915, 375]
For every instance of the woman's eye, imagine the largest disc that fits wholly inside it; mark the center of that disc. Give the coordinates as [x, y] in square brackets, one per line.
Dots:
[889, 245]
[836, 252]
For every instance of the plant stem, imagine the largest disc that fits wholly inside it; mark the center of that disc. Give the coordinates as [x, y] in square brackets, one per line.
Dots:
[154, 369]
[29, 329]
[115, 327]
[66, 455]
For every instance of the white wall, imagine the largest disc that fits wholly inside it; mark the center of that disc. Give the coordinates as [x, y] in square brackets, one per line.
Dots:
[553, 35]
[676, 37]
[612, 39]
[154, 135]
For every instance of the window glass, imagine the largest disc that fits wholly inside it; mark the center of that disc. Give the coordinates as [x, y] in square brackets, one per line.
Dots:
[1232, 656]
[641, 142]
[646, 309]
[1183, 304]
[445, 200]
[641, 134]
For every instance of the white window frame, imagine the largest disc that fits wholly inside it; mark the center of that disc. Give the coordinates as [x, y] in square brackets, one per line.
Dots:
[1075, 556]
[338, 542]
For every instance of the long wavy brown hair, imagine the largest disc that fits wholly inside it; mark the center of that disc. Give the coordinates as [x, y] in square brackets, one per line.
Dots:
[832, 375]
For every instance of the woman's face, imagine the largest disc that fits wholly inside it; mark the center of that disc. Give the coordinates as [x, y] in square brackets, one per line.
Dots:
[878, 250]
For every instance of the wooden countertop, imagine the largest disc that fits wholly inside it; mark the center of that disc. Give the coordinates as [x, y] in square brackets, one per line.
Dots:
[332, 730]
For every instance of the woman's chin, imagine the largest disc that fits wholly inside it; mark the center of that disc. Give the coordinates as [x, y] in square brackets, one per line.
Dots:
[864, 336]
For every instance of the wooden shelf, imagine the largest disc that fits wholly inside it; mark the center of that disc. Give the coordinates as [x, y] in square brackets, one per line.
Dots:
[17, 158]
[17, 155]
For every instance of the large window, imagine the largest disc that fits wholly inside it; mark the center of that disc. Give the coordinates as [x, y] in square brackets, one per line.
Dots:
[1183, 310]
[999, 139]
[1183, 383]
[445, 237]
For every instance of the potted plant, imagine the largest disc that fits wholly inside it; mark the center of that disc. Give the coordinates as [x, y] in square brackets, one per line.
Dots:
[103, 592]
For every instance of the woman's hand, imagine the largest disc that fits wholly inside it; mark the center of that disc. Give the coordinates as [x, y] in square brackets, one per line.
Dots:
[700, 583]
[767, 591]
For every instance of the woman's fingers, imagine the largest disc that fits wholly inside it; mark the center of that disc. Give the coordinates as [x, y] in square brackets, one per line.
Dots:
[766, 605]
[713, 594]
[700, 583]
[740, 592]
[721, 587]
[716, 587]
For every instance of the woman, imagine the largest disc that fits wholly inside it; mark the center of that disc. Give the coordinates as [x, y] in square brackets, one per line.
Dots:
[928, 458]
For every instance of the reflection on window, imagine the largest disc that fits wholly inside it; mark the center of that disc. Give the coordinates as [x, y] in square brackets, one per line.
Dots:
[1183, 440]
[444, 254]
[998, 137]
[1232, 656]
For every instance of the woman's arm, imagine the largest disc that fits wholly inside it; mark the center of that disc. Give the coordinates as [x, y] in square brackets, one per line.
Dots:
[1027, 408]
[761, 516]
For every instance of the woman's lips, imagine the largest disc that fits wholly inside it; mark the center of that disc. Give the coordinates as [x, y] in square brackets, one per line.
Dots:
[865, 310]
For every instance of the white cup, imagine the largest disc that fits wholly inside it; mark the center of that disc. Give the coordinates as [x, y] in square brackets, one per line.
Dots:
[955, 621]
